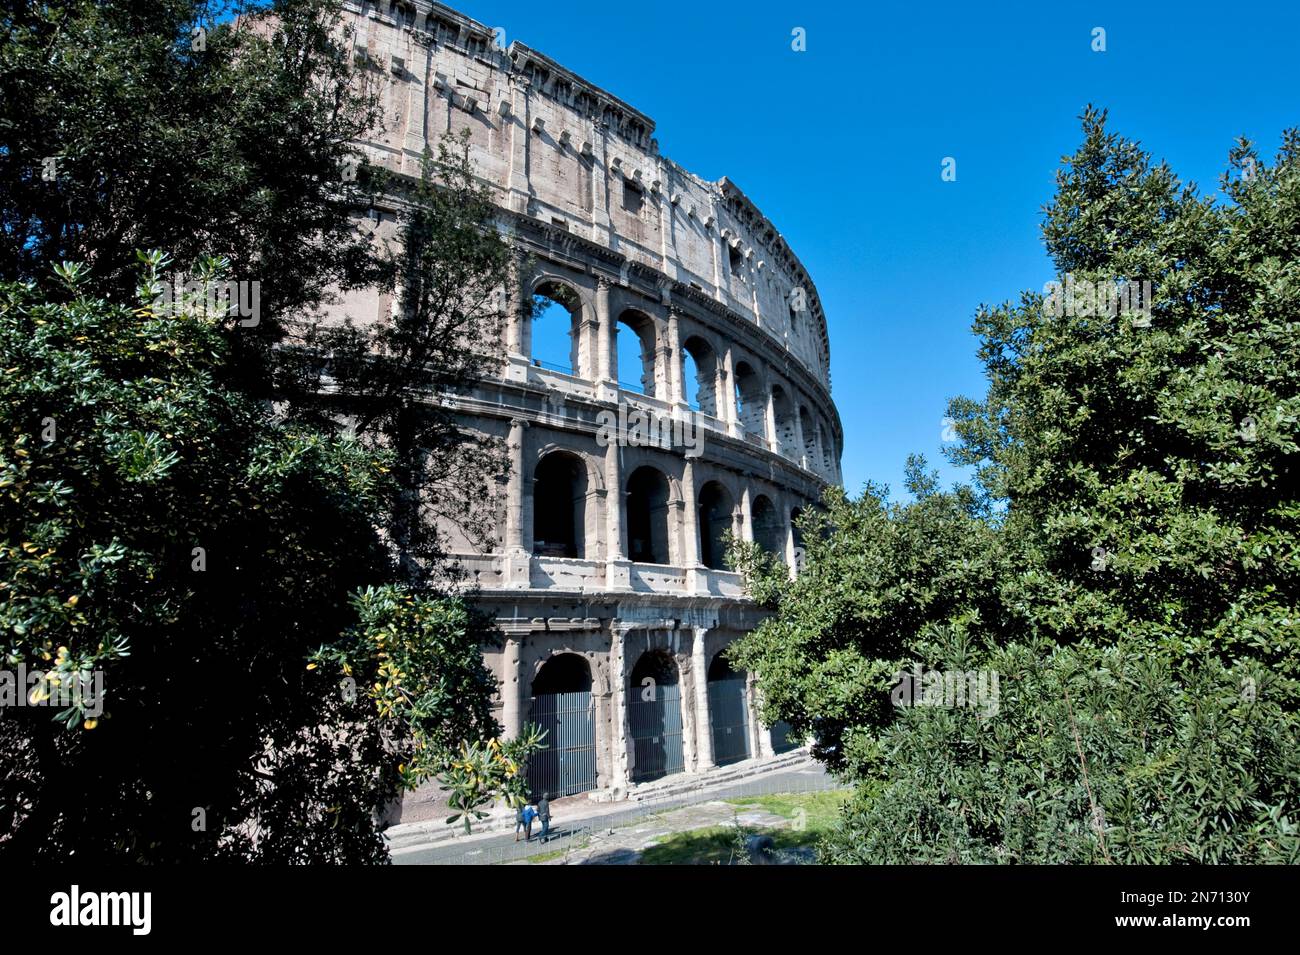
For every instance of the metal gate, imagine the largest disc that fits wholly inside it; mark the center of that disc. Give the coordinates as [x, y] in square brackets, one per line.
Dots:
[783, 738]
[656, 730]
[729, 716]
[568, 764]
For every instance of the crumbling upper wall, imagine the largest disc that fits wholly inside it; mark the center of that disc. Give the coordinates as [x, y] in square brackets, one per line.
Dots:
[571, 154]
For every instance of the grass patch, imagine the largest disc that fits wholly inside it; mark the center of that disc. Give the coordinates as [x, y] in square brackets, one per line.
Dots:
[821, 809]
[716, 845]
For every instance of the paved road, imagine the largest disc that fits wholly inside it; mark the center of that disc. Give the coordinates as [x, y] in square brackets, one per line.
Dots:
[503, 848]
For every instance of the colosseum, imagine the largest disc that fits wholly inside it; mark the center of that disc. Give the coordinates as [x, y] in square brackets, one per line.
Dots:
[609, 583]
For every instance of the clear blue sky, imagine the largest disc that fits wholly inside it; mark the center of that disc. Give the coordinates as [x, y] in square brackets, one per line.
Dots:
[842, 145]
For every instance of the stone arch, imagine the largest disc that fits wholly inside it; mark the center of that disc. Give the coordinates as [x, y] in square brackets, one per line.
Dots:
[783, 419]
[556, 336]
[563, 705]
[645, 341]
[697, 352]
[809, 430]
[655, 717]
[751, 407]
[649, 516]
[564, 519]
[768, 532]
[728, 710]
[717, 506]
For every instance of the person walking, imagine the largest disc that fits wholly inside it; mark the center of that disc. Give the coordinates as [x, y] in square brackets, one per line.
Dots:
[530, 813]
[519, 821]
[544, 814]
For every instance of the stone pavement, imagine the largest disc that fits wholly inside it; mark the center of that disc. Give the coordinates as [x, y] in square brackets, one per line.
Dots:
[580, 826]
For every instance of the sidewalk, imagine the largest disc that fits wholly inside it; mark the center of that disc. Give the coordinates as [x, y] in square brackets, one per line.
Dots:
[575, 819]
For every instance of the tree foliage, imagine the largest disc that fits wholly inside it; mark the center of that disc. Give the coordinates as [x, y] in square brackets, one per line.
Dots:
[1125, 561]
[222, 503]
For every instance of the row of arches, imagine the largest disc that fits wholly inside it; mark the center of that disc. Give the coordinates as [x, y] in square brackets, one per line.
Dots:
[566, 515]
[562, 340]
[562, 703]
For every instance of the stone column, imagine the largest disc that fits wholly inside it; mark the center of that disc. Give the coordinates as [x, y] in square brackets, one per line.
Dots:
[512, 688]
[789, 538]
[517, 326]
[690, 522]
[770, 418]
[800, 453]
[620, 735]
[618, 569]
[759, 734]
[676, 392]
[746, 517]
[727, 408]
[703, 719]
[606, 349]
[517, 566]
[520, 190]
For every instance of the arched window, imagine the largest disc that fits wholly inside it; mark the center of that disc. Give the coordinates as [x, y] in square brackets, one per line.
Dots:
[700, 375]
[716, 517]
[636, 348]
[647, 517]
[768, 532]
[560, 506]
[556, 330]
[809, 436]
[783, 413]
[750, 404]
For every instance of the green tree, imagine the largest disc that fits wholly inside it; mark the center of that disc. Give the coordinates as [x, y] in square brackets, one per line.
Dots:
[1125, 562]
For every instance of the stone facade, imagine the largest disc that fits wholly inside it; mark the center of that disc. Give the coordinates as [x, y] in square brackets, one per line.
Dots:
[608, 552]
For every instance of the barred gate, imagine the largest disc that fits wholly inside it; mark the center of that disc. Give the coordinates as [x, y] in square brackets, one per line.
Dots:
[568, 764]
[656, 730]
[729, 717]
[783, 738]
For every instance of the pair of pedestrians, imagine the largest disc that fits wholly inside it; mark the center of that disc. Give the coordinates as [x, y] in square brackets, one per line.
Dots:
[530, 813]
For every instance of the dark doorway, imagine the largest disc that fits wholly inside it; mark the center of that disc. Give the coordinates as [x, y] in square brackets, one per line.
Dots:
[655, 718]
[562, 705]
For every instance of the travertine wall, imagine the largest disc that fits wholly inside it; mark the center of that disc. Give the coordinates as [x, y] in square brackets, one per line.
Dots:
[639, 246]
[564, 151]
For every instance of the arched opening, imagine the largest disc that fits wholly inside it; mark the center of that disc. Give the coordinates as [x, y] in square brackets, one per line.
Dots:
[655, 717]
[728, 712]
[647, 517]
[560, 506]
[562, 705]
[783, 413]
[750, 404]
[700, 375]
[809, 430]
[767, 526]
[556, 339]
[716, 516]
[636, 347]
